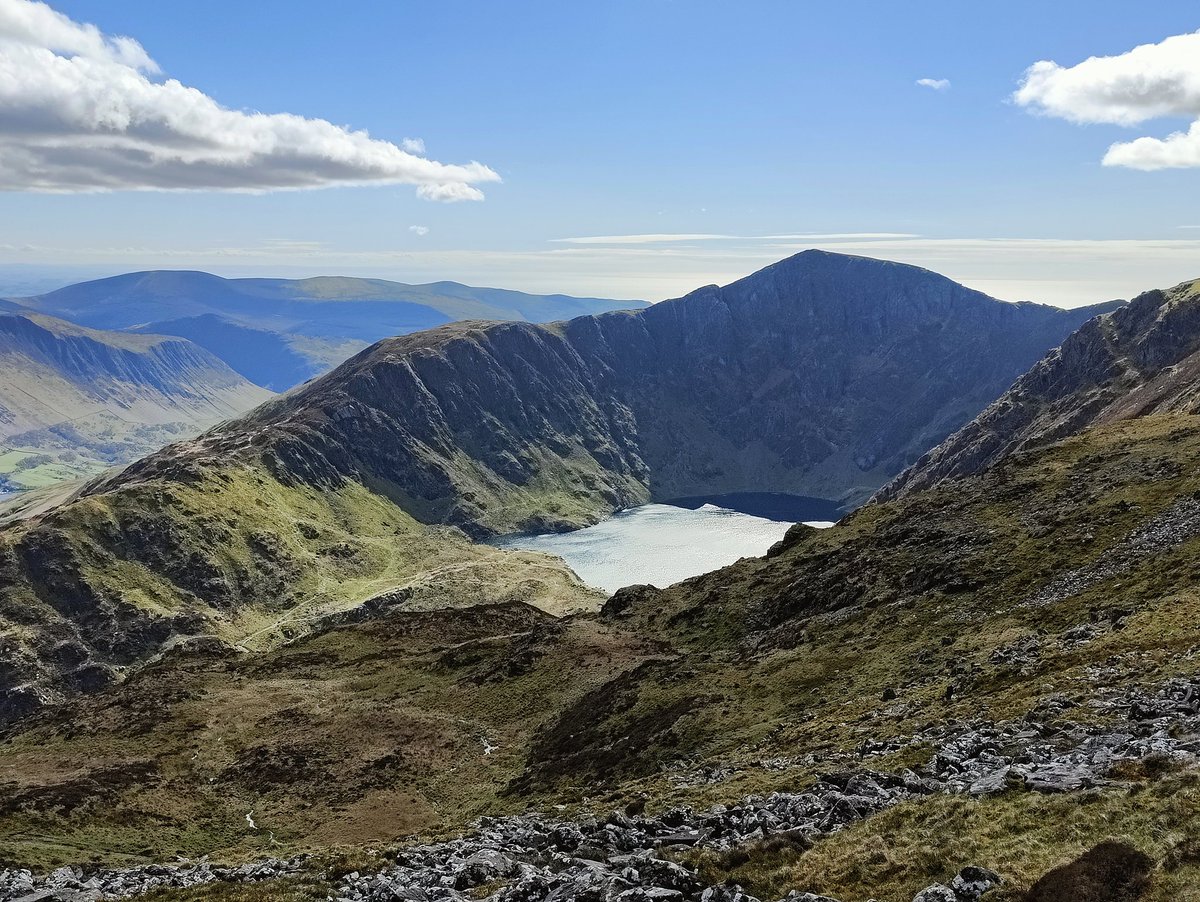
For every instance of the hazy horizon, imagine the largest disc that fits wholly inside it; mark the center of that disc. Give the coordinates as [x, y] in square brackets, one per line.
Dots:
[633, 150]
[18, 280]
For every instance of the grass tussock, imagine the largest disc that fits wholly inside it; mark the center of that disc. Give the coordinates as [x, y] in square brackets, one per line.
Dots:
[289, 890]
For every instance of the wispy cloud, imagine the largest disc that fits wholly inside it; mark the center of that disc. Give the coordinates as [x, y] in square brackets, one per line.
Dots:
[82, 111]
[419, 230]
[413, 145]
[1151, 81]
[676, 238]
[294, 245]
[660, 238]
[839, 236]
[937, 84]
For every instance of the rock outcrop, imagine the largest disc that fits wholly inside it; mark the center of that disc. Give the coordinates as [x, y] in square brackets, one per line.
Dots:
[1141, 359]
[535, 858]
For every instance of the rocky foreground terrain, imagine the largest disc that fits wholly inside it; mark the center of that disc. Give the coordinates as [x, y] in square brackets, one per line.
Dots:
[985, 688]
[865, 713]
[625, 855]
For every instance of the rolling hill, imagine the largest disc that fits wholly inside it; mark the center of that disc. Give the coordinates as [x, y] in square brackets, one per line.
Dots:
[278, 332]
[74, 400]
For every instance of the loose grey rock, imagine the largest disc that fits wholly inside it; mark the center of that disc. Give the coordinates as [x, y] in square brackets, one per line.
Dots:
[939, 892]
[972, 882]
[536, 858]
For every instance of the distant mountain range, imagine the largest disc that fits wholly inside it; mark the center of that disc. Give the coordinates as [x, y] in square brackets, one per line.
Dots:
[75, 400]
[279, 332]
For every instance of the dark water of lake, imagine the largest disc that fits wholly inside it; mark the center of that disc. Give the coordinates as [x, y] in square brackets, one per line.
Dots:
[661, 544]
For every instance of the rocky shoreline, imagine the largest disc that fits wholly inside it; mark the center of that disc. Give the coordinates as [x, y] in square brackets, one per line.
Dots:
[629, 857]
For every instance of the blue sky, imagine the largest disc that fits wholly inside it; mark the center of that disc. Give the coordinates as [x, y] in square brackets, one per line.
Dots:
[657, 117]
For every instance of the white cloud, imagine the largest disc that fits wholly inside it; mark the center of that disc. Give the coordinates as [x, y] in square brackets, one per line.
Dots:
[938, 84]
[420, 231]
[39, 25]
[449, 192]
[80, 112]
[1151, 81]
[1179, 150]
[1148, 82]
[413, 145]
[294, 246]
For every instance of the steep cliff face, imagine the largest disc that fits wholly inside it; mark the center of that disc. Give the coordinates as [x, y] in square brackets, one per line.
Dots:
[1141, 359]
[823, 375]
[484, 426]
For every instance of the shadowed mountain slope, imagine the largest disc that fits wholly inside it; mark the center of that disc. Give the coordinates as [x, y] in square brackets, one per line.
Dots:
[265, 358]
[1141, 359]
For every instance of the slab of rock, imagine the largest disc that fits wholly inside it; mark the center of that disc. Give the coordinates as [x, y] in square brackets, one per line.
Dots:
[939, 892]
[972, 882]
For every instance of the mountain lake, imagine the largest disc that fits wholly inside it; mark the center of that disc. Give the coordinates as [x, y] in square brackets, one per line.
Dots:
[664, 543]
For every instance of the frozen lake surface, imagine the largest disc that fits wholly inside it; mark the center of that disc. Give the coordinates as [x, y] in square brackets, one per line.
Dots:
[661, 544]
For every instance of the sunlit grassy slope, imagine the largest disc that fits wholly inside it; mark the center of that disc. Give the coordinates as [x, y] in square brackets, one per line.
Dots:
[232, 553]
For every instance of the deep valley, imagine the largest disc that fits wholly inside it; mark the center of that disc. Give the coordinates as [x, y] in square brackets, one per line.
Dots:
[279, 640]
